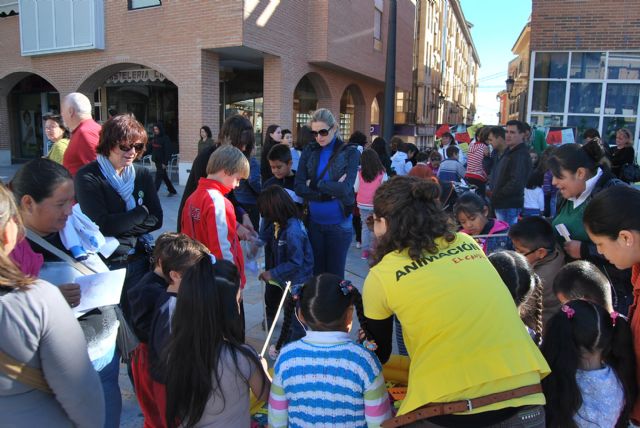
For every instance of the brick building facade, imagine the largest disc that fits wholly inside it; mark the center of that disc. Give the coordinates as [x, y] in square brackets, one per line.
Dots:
[213, 51]
[585, 65]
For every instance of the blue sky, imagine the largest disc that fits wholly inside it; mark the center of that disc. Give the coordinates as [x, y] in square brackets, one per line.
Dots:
[496, 26]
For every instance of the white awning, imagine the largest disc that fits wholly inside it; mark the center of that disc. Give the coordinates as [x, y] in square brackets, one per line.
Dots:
[8, 6]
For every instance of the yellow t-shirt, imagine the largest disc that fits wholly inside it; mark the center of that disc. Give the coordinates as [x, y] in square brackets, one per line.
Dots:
[460, 325]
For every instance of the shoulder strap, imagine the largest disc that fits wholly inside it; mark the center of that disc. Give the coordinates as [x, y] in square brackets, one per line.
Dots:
[29, 376]
[335, 153]
[85, 270]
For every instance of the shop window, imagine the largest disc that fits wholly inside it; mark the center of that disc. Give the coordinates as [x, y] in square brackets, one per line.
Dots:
[142, 4]
[545, 120]
[611, 124]
[624, 65]
[582, 123]
[548, 96]
[585, 97]
[587, 65]
[622, 99]
[551, 65]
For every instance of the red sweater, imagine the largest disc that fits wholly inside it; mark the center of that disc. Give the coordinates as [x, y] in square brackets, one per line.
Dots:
[82, 147]
[634, 321]
[209, 217]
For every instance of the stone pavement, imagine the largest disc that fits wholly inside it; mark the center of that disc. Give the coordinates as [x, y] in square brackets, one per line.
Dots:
[253, 298]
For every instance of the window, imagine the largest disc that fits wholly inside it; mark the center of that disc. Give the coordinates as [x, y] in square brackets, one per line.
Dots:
[624, 65]
[551, 65]
[548, 96]
[611, 124]
[141, 4]
[622, 98]
[585, 97]
[377, 25]
[587, 65]
[582, 123]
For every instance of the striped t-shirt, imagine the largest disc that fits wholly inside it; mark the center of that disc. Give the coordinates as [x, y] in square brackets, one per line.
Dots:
[326, 379]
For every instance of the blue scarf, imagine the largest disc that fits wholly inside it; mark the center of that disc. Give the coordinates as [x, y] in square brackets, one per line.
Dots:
[123, 184]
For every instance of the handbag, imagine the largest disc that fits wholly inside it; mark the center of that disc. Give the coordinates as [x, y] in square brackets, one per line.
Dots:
[126, 339]
[630, 172]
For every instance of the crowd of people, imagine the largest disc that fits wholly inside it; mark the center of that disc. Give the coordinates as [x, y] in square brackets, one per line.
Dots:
[507, 276]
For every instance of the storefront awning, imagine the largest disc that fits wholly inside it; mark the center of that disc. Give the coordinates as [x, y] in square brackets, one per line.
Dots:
[8, 6]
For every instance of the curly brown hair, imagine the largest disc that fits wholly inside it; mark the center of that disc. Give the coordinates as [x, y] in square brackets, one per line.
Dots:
[414, 217]
[123, 128]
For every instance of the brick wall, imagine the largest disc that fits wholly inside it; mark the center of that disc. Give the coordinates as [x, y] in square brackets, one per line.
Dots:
[585, 25]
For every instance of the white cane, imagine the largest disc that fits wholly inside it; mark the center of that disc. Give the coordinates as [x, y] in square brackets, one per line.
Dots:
[275, 319]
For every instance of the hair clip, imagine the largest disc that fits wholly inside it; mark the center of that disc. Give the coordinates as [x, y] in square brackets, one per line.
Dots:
[614, 316]
[569, 311]
[273, 352]
[346, 287]
[371, 345]
[213, 259]
[296, 291]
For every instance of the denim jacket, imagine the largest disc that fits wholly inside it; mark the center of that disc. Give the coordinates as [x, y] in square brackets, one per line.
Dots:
[249, 189]
[292, 256]
[346, 162]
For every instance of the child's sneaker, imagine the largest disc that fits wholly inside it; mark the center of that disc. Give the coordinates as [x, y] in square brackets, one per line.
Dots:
[358, 245]
[365, 255]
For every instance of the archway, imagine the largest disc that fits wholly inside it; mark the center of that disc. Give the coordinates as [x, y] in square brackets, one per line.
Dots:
[352, 111]
[138, 89]
[309, 91]
[376, 115]
[29, 98]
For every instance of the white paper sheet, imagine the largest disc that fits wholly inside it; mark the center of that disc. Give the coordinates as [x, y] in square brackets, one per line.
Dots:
[100, 289]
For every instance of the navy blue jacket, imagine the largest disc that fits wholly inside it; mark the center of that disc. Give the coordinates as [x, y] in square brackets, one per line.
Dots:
[291, 252]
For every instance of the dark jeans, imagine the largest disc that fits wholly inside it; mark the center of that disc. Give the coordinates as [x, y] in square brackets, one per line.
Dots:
[330, 243]
[357, 226]
[272, 296]
[527, 417]
[161, 174]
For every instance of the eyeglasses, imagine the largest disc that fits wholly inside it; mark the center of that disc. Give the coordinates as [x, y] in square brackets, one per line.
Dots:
[137, 147]
[322, 132]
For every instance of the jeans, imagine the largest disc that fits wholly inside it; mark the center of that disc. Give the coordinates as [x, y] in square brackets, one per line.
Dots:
[530, 212]
[330, 243]
[112, 398]
[509, 215]
[366, 233]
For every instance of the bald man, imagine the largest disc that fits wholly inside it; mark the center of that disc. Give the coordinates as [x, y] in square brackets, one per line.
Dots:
[85, 132]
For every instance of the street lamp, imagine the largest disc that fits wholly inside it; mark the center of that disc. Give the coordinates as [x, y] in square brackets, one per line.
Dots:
[510, 82]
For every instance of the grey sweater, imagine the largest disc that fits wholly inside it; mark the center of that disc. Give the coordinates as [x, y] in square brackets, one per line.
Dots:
[37, 327]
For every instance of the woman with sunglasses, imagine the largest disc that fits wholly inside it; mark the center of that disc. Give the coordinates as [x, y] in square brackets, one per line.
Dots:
[325, 177]
[121, 198]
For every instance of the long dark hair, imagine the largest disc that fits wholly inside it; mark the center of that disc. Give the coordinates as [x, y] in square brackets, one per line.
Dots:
[303, 137]
[275, 205]
[525, 288]
[207, 131]
[323, 301]
[370, 165]
[238, 131]
[584, 326]
[38, 178]
[613, 210]
[414, 216]
[570, 157]
[205, 323]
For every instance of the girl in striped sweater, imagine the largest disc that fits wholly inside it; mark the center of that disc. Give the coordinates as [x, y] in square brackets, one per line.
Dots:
[326, 378]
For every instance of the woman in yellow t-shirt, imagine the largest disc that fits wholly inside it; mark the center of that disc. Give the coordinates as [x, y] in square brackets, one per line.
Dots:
[460, 325]
[58, 134]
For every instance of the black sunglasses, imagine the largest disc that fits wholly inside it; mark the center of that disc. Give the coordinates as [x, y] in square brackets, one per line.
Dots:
[322, 132]
[137, 147]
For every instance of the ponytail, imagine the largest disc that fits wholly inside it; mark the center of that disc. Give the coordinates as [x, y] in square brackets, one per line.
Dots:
[570, 157]
[289, 309]
[622, 359]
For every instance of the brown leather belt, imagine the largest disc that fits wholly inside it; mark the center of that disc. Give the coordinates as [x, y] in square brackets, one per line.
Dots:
[439, 409]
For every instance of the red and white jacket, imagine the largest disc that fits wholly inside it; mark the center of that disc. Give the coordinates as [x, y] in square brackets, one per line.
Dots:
[209, 217]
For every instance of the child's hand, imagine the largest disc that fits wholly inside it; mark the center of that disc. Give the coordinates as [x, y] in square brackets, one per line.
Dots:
[572, 248]
[245, 234]
[265, 276]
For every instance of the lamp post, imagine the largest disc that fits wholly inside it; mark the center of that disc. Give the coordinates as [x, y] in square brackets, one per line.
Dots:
[510, 82]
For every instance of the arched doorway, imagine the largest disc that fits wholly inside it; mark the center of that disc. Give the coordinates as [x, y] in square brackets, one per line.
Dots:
[376, 116]
[305, 101]
[28, 100]
[137, 89]
[352, 111]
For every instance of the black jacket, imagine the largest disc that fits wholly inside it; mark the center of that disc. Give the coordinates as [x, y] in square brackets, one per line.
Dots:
[102, 204]
[161, 149]
[511, 176]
